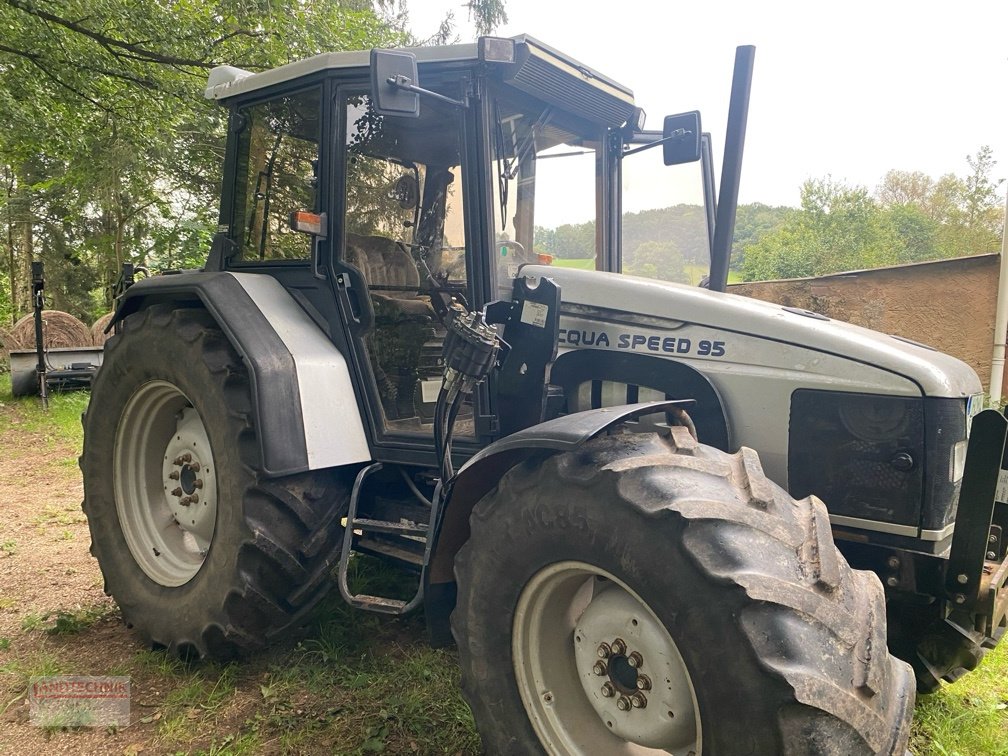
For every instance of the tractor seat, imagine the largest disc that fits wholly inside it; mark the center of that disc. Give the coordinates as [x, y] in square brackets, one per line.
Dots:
[385, 263]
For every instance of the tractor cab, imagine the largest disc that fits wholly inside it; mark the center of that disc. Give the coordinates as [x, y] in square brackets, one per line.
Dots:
[379, 188]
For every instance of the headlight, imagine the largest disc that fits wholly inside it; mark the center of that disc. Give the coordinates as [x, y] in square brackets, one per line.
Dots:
[887, 463]
[862, 454]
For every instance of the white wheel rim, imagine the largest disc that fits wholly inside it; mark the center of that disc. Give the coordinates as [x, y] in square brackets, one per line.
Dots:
[581, 703]
[165, 483]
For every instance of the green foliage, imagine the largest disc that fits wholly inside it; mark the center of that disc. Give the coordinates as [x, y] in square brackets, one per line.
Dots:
[660, 260]
[911, 218]
[680, 233]
[969, 718]
[109, 152]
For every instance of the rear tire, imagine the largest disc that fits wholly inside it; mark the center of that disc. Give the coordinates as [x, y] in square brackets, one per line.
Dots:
[226, 573]
[780, 645]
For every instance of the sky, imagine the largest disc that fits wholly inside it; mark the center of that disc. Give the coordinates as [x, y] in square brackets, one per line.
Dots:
[848, 90]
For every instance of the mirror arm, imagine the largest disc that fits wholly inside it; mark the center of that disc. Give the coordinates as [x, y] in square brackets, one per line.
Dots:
[675, 136]
[405, 83]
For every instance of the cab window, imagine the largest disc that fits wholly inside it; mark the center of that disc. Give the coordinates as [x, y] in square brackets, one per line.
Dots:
[278, 167]
[545, 188]
[404, 230]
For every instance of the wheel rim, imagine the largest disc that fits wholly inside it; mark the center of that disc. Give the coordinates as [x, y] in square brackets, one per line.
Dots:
[165, 483]
[596, 670]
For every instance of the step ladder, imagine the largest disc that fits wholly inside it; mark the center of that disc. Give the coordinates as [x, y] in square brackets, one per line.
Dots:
[405, 541]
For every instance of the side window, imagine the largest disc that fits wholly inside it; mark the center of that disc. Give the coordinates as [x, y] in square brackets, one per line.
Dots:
[665, 233]
[403, 229]
[278, 166]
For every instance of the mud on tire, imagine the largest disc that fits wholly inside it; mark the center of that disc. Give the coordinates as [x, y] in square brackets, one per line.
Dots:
[782, 644]
[273, 540]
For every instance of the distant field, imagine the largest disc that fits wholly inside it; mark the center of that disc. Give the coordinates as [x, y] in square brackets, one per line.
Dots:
[695, 272]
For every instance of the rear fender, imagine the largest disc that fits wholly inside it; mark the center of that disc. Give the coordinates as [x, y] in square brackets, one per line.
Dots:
[304, 403]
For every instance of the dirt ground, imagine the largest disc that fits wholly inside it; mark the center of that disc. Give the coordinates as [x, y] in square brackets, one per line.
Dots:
[350, 683]
[347, 684]
[45, 568]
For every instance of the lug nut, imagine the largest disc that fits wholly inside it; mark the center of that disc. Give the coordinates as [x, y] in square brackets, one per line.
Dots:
[600, 668]
[962, 579]
[638, 700]
[184, 501]
[608, 690]
[198, 483]
[623, 704]
[643, 682]
[892, 581]
[173, 475]
[619, 647]
[992, 538]
[960, 599]
[991, 555]
[194, 499]
[195, 467]
[604, 650]
[893, 562]
[176, 492]
[635, 660]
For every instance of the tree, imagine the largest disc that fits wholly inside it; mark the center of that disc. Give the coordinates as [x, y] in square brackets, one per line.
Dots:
[837, 228]
[911, 218]
[660, 260]
[109, 151]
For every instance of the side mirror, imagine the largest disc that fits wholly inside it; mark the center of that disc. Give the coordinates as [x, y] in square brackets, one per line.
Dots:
[681, 138]
[389, 72]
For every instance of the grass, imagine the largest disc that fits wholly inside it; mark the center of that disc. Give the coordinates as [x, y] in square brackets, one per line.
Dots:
[67, 621]
[356, 683]
[61, 423]
[970, 717]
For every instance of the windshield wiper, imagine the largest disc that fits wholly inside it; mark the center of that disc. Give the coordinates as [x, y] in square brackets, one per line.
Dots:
[527, 144]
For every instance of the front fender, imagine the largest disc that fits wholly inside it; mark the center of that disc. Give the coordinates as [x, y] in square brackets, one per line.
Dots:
[482, 472]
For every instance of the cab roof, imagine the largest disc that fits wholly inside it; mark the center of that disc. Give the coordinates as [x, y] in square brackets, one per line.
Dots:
[536, 68]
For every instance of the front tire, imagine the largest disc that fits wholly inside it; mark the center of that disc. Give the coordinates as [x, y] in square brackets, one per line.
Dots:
[202, 555]
[665, 559]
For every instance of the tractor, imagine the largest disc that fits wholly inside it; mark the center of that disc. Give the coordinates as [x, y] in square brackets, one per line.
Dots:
[609, 490]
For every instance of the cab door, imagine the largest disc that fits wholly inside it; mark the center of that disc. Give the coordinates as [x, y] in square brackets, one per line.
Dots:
[401, 248]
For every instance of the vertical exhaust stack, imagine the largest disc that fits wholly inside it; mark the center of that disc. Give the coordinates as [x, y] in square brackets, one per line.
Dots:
[731, 170]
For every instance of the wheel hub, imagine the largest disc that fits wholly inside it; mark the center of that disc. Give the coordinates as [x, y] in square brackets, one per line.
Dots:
[596, 669]
[188, 483]
[165, 483]
[631, 671]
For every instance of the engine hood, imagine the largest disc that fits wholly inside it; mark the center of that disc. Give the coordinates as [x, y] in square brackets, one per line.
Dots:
[935, 373]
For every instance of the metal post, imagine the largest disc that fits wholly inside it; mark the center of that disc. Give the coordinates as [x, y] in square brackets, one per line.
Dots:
[1000, 318]
[731, 169]
[38, 284]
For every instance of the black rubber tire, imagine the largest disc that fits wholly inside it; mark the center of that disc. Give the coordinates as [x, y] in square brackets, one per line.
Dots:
[939, 649]
[783, 641]
[275, 540]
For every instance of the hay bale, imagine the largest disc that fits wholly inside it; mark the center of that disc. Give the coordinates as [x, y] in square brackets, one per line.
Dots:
[59, 329]
[98, 335]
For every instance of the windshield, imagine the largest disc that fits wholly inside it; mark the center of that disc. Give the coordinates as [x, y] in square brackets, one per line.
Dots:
[664, 231]
[544, 189]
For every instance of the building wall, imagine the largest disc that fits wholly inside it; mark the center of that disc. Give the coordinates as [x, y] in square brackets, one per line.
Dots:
[947, 304]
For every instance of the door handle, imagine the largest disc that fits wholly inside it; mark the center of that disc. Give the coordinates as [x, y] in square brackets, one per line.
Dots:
[354, 299]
